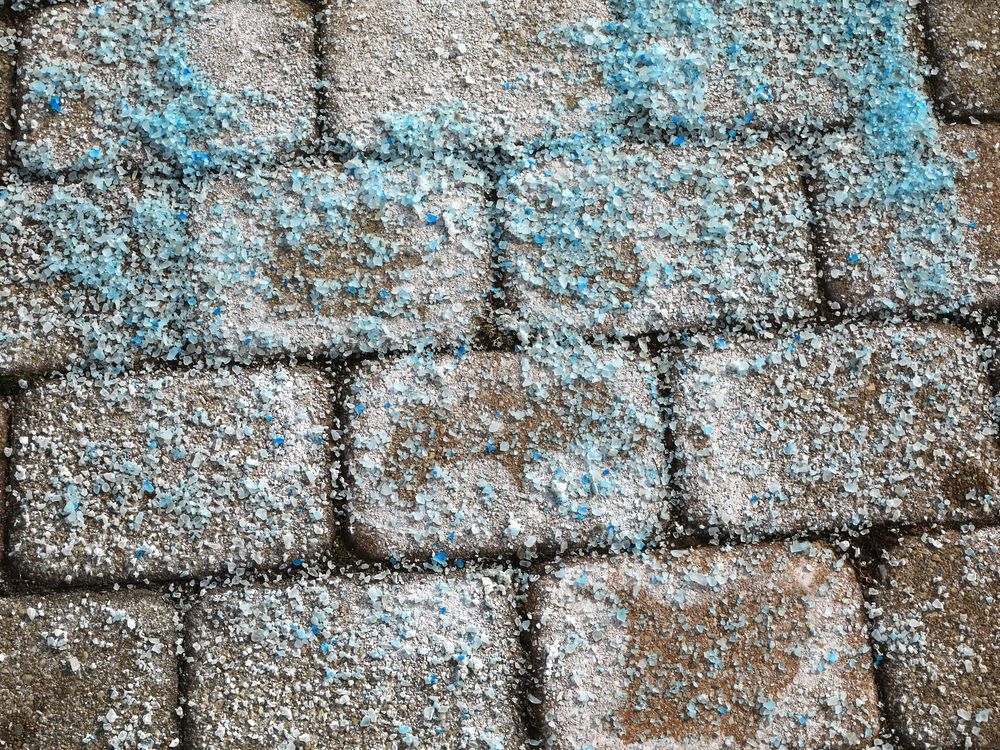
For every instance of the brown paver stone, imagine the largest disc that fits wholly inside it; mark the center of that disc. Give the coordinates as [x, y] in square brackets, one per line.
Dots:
[381, 661]
[166, 474]
[753, 647]
[493, 453]
[88, 670]
[938, 622]
[663, 239]
[965, 36]
[877, 255]
[839, 428]
[509, 69]
[367, 258]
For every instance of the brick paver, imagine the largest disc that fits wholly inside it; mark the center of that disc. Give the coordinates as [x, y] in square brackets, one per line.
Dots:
[378, 257]
[965, 36]
[938, 622]
[491, 453]
[88, 670]
[506, 70]
[171, 473]
[650, 256]
[842, 428]
[754, 647]
[91, 73]
[381, 661]
[879, 255]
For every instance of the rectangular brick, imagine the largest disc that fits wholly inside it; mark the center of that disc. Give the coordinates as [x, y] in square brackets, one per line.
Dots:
[938, 623]
[88, 670]
[91, 91]
[965, 37]
[361, 259]
[380, 661]
[752, 647]
[776, 66]
[502, 71]
[88, 272]
[163, 474]
[882, 255]
[846, 427]
[670, 238]
[493, 453]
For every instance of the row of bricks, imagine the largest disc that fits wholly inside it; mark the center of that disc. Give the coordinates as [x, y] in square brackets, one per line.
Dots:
[175, 473]
[307, 261]
[757, 646]
[502, 59]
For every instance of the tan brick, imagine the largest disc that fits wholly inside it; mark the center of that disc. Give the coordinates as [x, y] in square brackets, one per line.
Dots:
[509, 69]
[846, 427]
[672, 238]
[365, 259]
[751, 647]
[879, 255]
[166, 474]
[382, 661]
[490, 453]
[88, 670]
[938, 622]
[965, 35]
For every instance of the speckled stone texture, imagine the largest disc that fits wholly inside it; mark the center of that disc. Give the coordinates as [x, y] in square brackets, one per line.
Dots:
[841, 428]
[965, 36]
[5, 451]
[8, 55]
[756, 646]
[72, 290]
[938, 623]
[766, 64]
[379, 258]
[512, 70]
[361, 662]
[259, 55]
[89, 83]
[161, 475]
[666, 262]
[876, 256]
[496, 453]
[88, 670]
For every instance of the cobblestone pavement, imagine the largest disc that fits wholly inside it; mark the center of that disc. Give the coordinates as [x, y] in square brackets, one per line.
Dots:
[580, 374]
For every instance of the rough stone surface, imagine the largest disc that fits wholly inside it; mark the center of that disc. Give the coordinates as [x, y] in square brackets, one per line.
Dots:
[5, 449]
[755, 647]
[378, 258]
[965, 36]
[510, 70]
[840, 428]
[167, 474]
[767, 64]
[88, 670]
[651, 255]
[490, 454]
[8, 55]
[380, 661]
[65, 294]
[876, 256]
[93, 87]
[938, 623]
[259, 55]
